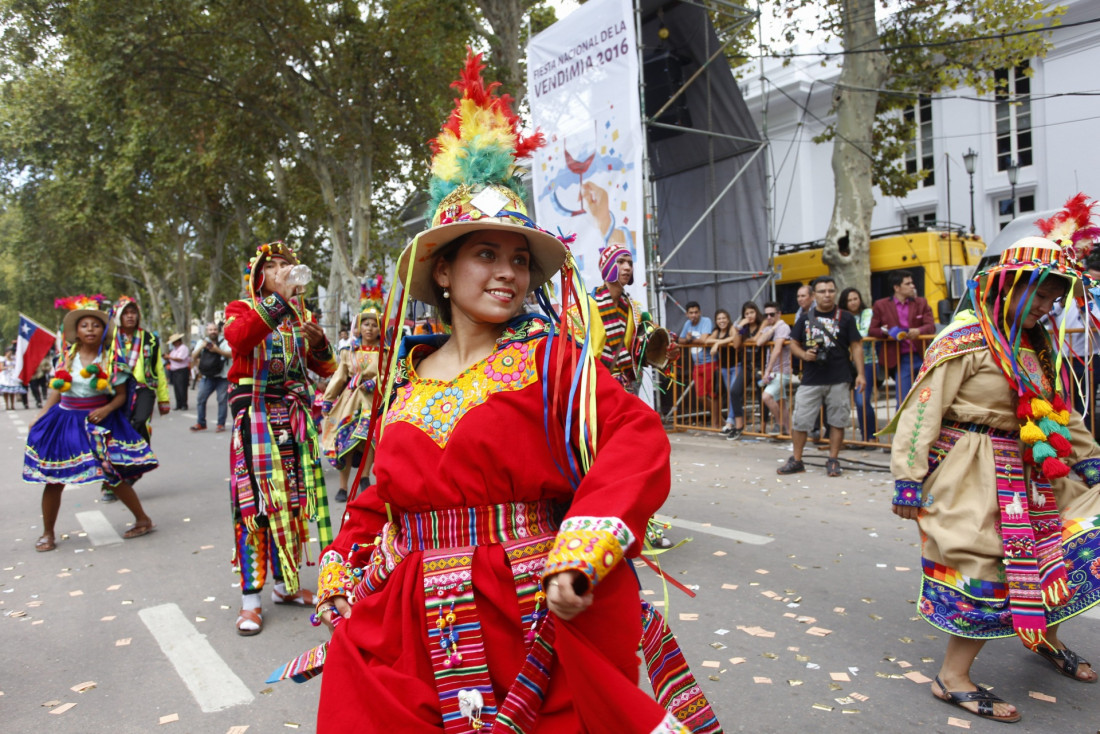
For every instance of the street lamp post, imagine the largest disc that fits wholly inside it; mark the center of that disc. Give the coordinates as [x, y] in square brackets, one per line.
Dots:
[970, 159]
[1013, 171]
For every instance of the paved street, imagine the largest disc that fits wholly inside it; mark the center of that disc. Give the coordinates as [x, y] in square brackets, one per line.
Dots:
[804, 620]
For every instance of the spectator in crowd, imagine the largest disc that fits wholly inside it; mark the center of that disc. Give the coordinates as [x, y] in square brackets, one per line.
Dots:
[39, 383]
[805, 299]
[212, 356]
[903, 318]
[344, 342]
[179, 369]
[733, 363]
[695, 334]
[777, 372]
[828, 343]
[852, 301]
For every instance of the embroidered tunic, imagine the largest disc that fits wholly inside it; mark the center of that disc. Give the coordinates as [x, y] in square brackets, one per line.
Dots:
[467, 463]
[957, 456]
[347, 401]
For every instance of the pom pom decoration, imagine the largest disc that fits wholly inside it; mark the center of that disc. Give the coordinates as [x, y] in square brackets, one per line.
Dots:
[1040, 408]
[1054, 469]
[1023, 409]
[101, 384]
[1048, 425]
[1042, 451]
[1031, 433]
[1061, 417]
[1060, 444]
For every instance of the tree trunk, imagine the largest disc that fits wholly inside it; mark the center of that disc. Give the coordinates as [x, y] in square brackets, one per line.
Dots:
[847, 243]
[506, 18]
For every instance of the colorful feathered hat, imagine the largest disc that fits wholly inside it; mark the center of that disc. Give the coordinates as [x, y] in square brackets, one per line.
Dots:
[254, 270]
[476, 185]
[1003, 295]
[372, 298]
[78, 307]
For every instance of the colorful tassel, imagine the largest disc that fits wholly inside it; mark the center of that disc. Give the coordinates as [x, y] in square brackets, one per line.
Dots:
[1058, 403]
[1031, 433]
[1054, 469]
[1061, 417]
[1042, 451]
[1029, 456]
[1048, 425]
[1023, 409]
[1060, 444]
[1040, 408]
[1057, 594]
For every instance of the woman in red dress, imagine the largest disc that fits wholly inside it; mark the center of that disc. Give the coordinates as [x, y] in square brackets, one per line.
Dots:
[501, 494]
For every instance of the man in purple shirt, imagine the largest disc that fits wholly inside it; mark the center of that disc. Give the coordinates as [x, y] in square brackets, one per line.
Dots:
[902, 319]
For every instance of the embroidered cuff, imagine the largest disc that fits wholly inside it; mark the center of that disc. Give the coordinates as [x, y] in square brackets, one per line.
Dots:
[369, 385]
[1088, 470]
[591, 545]
[334, 578]
[907, 493]
[326, 406]
[272, 309]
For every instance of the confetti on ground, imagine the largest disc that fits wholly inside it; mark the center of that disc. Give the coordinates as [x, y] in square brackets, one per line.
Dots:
[78, 592]
[849, 711]
[124, 570]
[792, 649]
[85, 686]
[721, 632]
[291, 724]
[790, 615]
[62, 708]
[718, 646]
[63, 575]
[114, 587]
[904, 664]
[761, 571]
[648, 592]
[813, 666]
[928, 660]
[123, 642]
[794, 682]
[961, 723]
[818, 631]
[761, 679]
[845, 700]
[834, 686]
[237, 729]
[711, 664]
[736, 661]
[689, 617]
[822, 707]
[806, 620]
[1042, 697]
[901, 568]
[205, 547]
[48, 704]
[838, 610]
[917, 677]
[110, 618]
[169, 718]
[719, 553]
[858, 696]
[840, 676]
[729, 586]
[756, 631]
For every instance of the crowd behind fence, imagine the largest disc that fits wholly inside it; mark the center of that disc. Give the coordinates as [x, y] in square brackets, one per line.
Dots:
[739, 372]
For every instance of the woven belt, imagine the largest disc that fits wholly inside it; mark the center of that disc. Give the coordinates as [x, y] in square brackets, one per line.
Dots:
[981, 428]
[75, 403]
[468, 526]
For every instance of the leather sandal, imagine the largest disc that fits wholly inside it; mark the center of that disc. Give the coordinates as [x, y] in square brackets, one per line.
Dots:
[982, 697]
[45, 543]
[1066, 662]
[139, 530]
[300, 598]
[253, 616]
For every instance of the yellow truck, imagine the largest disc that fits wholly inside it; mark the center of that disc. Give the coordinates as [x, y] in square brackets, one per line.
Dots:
[940, 262]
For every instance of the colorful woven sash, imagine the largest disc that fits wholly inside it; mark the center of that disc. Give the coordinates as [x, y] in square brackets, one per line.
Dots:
[1031, 533]
[615, 356]
[673, 684]
[73, 403]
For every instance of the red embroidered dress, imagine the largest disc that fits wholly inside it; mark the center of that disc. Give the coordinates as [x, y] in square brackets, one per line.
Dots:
[446, 606]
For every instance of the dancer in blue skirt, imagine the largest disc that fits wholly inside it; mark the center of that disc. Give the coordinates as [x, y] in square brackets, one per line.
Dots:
[80, 437]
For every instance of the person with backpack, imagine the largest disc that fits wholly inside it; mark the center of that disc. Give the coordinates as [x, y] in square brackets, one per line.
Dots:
[212, 356]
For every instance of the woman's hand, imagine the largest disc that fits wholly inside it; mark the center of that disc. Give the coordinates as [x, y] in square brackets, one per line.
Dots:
[562, 596]
[906, 512]
[314, 335]
[714, 349]
[97, 415]
[325, 610]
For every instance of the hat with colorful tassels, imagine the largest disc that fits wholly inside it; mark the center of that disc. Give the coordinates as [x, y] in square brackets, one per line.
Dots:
[372, 297]
[476, 185]
[79, 307]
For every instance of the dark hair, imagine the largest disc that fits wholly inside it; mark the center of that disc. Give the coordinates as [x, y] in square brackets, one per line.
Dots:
[772, 304]
[821, 279]
[898, 277]
[692, 304]
[844, 294]
[747, 305]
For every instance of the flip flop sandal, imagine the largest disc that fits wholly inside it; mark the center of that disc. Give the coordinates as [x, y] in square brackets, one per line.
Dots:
[253, 616]
[300, 598]
[1066, 662]
[138, 530]
[832, 467]
[45, 543]
[983, 698]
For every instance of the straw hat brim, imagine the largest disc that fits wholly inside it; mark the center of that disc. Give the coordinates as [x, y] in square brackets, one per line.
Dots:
[547, 253]
[72, 318]
[175, 336]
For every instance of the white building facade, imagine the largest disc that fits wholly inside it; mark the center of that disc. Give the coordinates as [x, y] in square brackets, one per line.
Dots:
[1050, 128]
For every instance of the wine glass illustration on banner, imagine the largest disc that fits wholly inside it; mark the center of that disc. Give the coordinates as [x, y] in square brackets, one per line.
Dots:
[579, 160]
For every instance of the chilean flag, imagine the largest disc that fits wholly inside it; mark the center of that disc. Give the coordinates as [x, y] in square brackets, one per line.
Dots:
[31, 348]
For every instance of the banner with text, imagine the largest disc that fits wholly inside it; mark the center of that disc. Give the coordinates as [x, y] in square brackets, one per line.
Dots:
[582, 85]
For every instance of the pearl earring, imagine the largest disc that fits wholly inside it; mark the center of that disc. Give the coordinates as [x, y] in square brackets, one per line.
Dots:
[446, 293]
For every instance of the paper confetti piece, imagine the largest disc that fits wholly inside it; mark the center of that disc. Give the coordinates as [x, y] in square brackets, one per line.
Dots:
[48, 704]
[124, 570]
[834, 686]
[123, 642]
[761, 571]
[858, 696]
[849, 711]
[794, 682]
[729, 586]
[169, 718]
[711, 664]
[904, 664]
[719, 553]
[62, 708]
[813, 666]
[237, 729]
[917, 677]
[761, 679]
[845, 700]
[838, 610]
[689, 617]
[114, 587]
[205, 547]
[1042, 697]
[961, 723]
[840, 676]
[818, 631]
[85, 686]
[901, 568]
[76, 593]
[792, 649]
[721, 632]
[63, 575]
[736, 661]
[648, 592]
[822, 707]
[718, 646]
[110, 618]
[291, 724]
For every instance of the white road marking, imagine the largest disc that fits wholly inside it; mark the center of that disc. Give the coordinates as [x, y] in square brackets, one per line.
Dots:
[715, 530]
[98, 528]
[211, 681]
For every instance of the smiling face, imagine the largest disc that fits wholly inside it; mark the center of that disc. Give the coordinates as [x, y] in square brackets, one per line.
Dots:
[1047, 294]
[488, 278]
[89, 331]
[722, 320]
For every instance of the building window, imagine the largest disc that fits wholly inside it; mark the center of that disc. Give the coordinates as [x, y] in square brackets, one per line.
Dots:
[920, 221]
[1025, 203]
[920, 156]
[1013, 110]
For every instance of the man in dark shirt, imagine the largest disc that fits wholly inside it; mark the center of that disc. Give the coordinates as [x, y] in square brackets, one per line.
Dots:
[827, 341]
